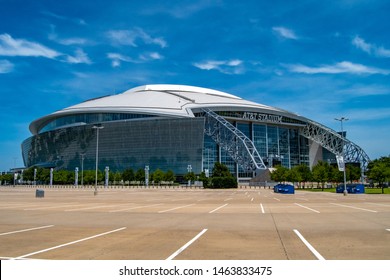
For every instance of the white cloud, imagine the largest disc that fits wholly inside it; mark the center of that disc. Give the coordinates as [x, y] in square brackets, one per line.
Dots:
[285, 32]
[370, 48]
[151, 56]
[53, 36]
[338, 68]
[79, 57]
[61, 17]
[116, 59]
[21, 47]
[6, 66]
[361, 44]
[233, 66]
[129, 37]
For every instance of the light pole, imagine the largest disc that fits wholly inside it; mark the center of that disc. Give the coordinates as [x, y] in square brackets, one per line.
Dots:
[341, 120]
[97, 127]
[82, 169]
[189, 169]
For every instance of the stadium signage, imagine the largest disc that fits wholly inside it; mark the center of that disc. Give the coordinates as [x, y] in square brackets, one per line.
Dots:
[262, 117]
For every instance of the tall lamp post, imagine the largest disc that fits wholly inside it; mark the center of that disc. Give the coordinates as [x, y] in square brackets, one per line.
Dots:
[97, 127]
[341, 120]
[82, 169]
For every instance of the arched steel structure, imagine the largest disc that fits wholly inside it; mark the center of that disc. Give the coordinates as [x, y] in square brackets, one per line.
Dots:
[244, 152]
[238, 146]
[334, 142]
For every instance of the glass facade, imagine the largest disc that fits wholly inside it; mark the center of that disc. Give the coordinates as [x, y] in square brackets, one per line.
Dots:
[136, 140]
[88, 118]
[160, 143]
[275, 144]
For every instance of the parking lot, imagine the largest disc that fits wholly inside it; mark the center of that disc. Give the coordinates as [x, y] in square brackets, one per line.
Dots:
[192, 224]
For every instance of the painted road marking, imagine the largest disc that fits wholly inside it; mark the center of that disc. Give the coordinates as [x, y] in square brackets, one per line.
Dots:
[70, 243]
[277, 199]
[88, 208]
[227, 199]
[51, 207]
[23, 230]
[252, 199]
[171, 257]
[342, 205]
[308, 245]
[380, 204]
[163, 211]
[216, 209]
[388, 229]
[262, 208]
[307, 207]
[136, 207]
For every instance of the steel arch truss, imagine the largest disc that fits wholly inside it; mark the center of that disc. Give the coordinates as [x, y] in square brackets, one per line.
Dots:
[334, 142]
[238, 145]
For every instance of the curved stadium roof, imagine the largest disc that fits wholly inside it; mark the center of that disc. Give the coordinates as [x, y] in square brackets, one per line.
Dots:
[161, 100]
[184, 101]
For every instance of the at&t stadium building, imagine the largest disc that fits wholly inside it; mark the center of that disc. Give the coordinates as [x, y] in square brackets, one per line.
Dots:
[176, 127]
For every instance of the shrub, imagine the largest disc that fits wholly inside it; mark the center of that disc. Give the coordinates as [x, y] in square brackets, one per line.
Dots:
[223, 182]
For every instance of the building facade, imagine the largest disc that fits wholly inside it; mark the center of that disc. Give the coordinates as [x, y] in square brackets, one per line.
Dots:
[172, 127]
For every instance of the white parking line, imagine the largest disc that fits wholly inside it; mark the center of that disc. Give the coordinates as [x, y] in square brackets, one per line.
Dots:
[23, 230]
[171, 257]
[308, 208]
[69, 243]
[216, 209]
[262, 208]
[342, 205]
[308, 245]
[388, 229]
[163, 211]
[136, 207]
[51, 207]
[88, 208]
[227, 199]
[277, 199]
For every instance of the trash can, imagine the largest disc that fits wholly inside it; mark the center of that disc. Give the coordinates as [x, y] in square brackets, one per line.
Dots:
[284, 188]
[39, 193]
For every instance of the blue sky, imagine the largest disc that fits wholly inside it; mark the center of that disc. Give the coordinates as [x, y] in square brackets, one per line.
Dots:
[320, 59]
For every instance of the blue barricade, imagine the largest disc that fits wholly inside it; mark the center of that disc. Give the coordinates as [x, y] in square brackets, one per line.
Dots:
[351, 188]
[284, 188]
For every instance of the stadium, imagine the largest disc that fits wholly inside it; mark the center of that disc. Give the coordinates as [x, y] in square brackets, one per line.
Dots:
[181, 128]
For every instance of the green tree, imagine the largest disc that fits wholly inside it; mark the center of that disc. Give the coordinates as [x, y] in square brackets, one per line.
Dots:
[353, 172]
[128, 175]
[279, 174]
[293, 175]
[117, 176]
[221, 170]
[140, 175]
[304, 172]
[7, 178]
[190, 176]
[157, 176]
[206, 181]
[321, 173]
[28, 174]
[169, 176]
[378, 171]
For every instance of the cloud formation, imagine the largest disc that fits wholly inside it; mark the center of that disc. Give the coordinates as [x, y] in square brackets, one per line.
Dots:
[21, 47]
[233, 66]
[369, 48]
[6, 66]
[130, 38]
[344, 67]
[285, 32]
[79, 57]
